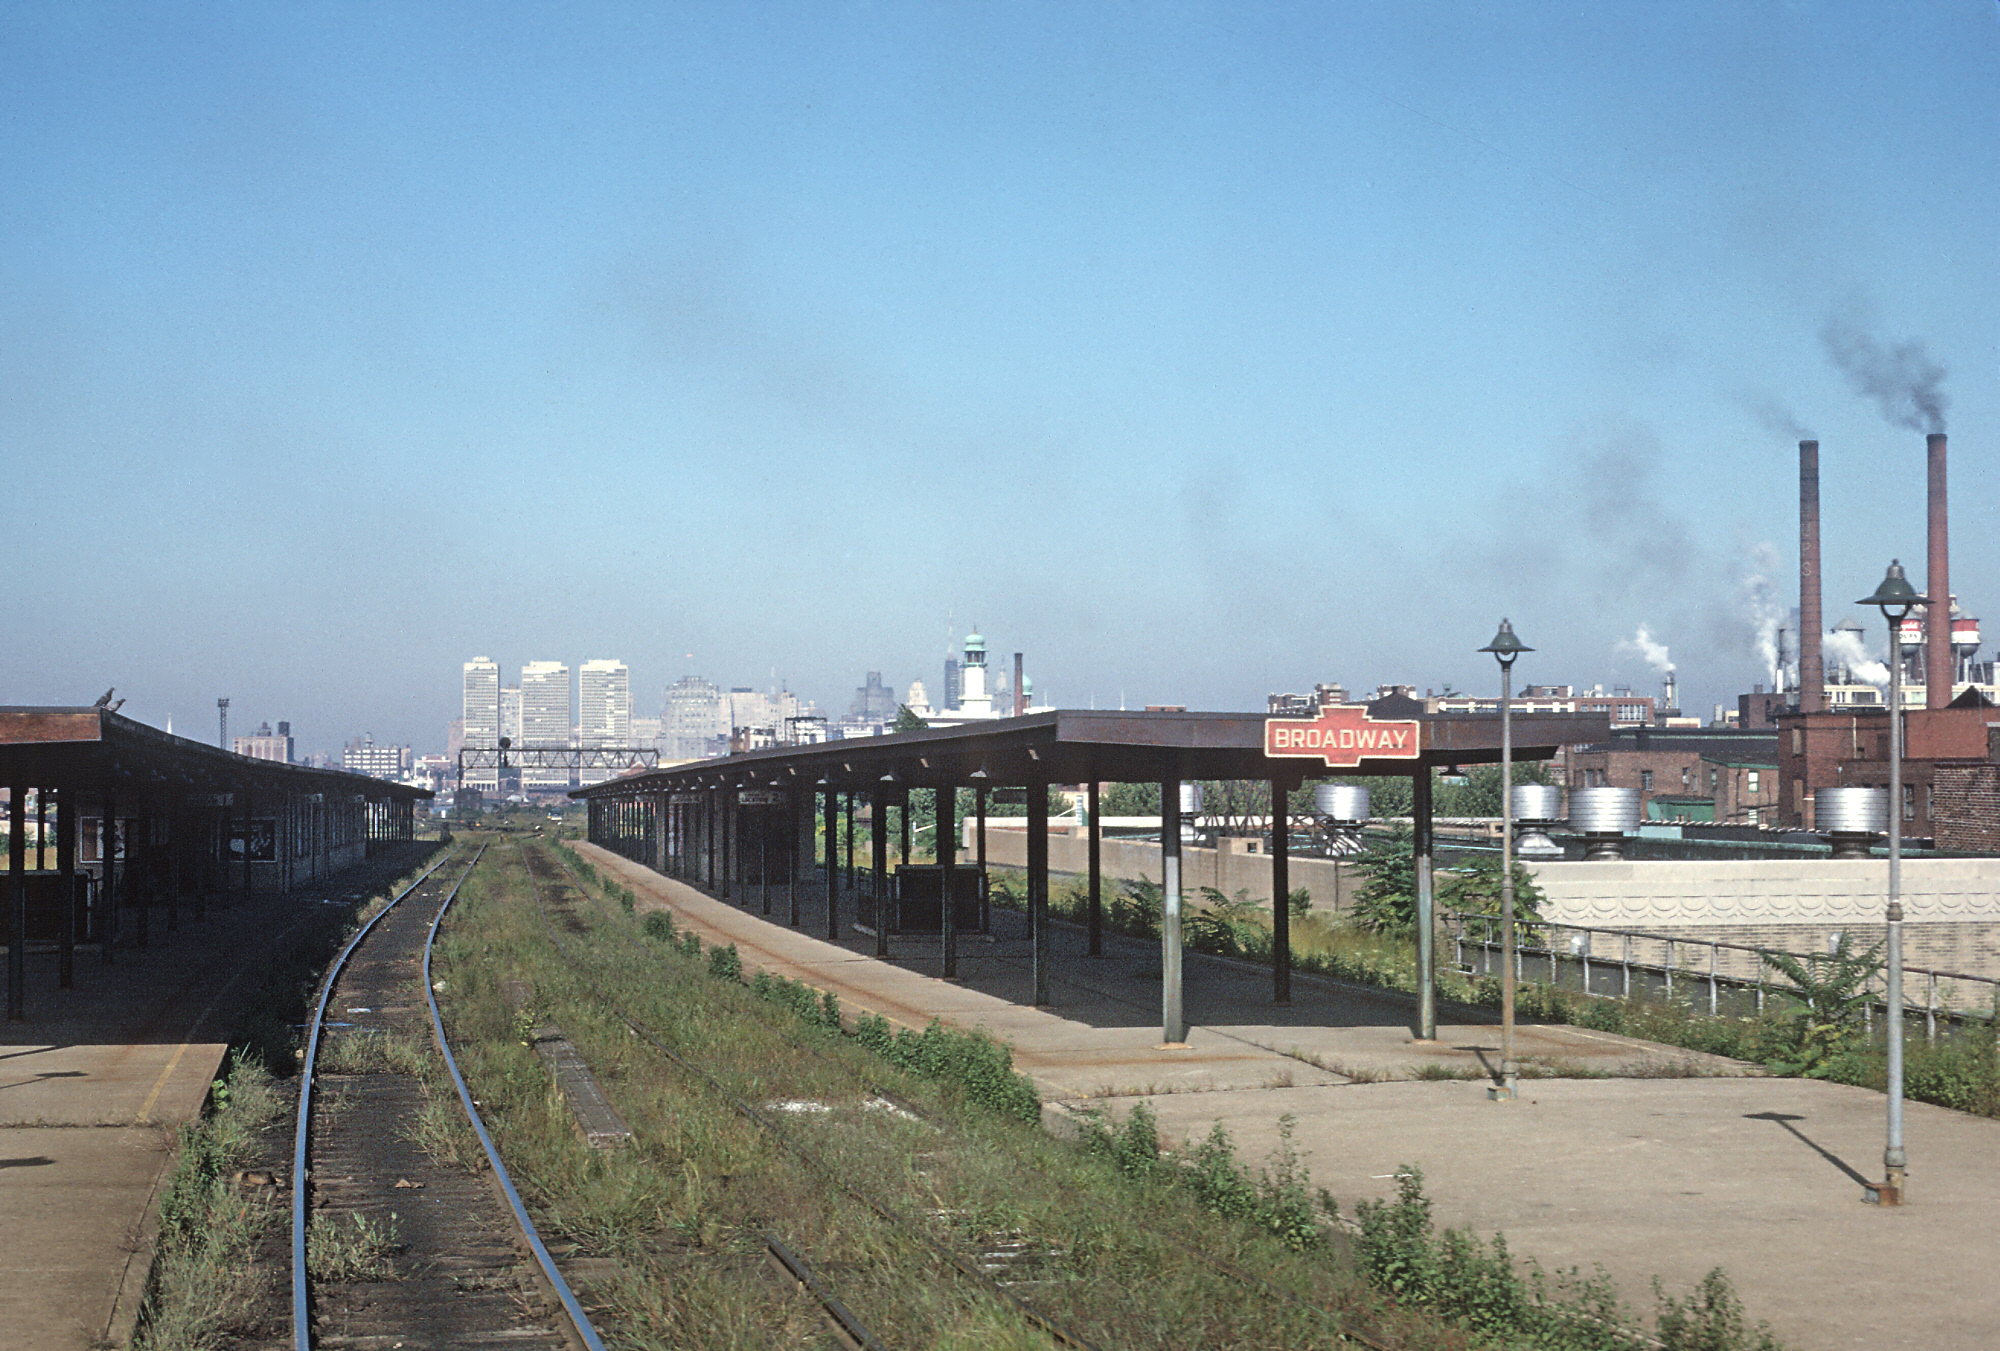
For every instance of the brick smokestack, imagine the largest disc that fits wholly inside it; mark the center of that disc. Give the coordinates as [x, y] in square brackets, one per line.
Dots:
[1812, 668]
[1937, 584]
[1021, 700]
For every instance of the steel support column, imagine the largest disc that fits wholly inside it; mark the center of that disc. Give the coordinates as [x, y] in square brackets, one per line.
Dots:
[945, 816]
[831, 850]
[725, 814]
[708, 835]
[794, 831]
[139, 850]
[1421, 842]
[1095, 917]
[1173, 1026]
[107, 846]
[878, 857]
[764, 859]
[247, 803]
[66, 816]
[1281, 895]
[17, 902]
[979, 842]
[1038, 885]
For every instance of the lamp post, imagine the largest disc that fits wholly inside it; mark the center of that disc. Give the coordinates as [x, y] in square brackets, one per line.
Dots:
[1505, 647]
[1896, 598]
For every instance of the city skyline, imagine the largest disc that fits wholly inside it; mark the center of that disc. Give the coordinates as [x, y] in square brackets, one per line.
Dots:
[1199, 351]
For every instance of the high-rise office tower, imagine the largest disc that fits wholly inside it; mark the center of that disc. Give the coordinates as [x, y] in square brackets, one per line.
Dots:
[604, 708]
[696, 720]
[482, 717]
[545, 722]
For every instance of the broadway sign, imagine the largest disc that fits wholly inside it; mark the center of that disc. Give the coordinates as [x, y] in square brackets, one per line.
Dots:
[1342, 736]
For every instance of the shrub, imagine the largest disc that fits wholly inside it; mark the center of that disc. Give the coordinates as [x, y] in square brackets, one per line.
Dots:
[1275, 1200]
[659, 924]
[724, 963]
[975, 1062]
[1136, 907]
[1479, 1286]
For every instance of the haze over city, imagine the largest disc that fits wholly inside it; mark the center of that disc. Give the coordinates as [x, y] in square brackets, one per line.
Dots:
[1198, 351]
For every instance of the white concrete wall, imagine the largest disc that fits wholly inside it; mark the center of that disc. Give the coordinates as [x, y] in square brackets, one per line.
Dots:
[1650, 893]
[1229, 870]
[1951, 908]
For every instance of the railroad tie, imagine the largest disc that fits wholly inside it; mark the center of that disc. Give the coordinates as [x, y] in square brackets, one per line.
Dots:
[596, 1118]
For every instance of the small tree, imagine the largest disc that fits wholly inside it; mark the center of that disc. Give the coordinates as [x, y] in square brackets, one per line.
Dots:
[1387, 901]
[1475, 889]
[1830, 993]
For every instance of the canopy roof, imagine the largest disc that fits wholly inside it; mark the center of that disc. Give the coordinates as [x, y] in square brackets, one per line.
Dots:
[1079, 746]
[96, 750]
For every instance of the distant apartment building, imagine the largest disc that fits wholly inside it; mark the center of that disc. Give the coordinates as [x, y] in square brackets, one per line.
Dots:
[604, 709]
[510, 712]
[363, 756]
[482, 717]
[604, 704]
[264, 744]
[545, 723]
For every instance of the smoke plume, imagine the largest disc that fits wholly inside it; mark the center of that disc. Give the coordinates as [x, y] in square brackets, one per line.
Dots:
[1903, 379]
[1775, 416]
[1642, 646]
[1758, 597]
[1844, 647]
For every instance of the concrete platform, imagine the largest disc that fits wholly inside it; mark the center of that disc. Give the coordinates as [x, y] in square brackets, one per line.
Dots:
[1671, 1165]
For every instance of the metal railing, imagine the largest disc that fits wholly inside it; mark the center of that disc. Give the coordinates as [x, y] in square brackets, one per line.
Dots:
[1571, 957]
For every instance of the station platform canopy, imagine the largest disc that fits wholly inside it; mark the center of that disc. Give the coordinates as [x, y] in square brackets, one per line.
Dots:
[95, 750]
[1091, 746]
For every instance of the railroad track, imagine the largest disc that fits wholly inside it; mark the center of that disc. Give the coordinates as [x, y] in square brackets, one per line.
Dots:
[391, 1246]
[1337, 1322]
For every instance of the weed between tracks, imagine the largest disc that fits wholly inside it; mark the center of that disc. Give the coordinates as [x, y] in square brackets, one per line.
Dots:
[1123, 1254]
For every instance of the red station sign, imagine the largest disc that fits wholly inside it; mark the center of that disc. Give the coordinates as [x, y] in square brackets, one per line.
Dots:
[1342, 736]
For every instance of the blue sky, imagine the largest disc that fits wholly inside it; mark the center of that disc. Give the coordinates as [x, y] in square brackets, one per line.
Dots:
[1196, 350]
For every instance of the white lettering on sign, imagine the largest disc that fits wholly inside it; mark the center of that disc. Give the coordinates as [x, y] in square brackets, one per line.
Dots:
[1342, 736]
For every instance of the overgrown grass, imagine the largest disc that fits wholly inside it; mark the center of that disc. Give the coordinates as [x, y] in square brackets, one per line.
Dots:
[202, 1273]
[682, 1212]
[358, 1250]
[1103, 1244]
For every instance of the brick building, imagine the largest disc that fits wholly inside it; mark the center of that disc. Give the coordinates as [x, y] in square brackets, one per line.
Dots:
[1950, 791]
[1677, 771]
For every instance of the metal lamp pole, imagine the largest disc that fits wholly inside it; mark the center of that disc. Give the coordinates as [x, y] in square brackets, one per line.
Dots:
[1505, 647]
[1896, 598]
